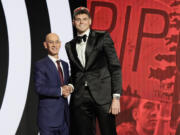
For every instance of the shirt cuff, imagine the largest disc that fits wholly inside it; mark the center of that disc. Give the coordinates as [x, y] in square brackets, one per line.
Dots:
[72, 87]
[61, 91]
[116, 96]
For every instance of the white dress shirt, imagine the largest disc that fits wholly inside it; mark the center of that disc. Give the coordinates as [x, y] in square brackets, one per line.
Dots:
[54, 61]
[81, 48]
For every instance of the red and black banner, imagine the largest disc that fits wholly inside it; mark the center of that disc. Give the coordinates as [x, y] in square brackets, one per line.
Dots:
[146, 36]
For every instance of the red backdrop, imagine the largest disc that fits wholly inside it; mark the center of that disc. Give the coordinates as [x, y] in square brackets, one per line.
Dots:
[146, 37]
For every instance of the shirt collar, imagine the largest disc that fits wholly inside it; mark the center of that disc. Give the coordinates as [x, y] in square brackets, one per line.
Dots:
[52, 58]
[84, 33]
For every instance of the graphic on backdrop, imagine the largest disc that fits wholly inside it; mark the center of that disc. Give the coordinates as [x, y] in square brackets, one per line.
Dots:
[146, 35]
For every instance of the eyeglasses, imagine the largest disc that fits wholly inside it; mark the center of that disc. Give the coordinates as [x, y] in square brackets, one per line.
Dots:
[53, 42]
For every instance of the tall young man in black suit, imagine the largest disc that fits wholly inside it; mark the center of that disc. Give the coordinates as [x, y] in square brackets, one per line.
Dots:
[96, 77]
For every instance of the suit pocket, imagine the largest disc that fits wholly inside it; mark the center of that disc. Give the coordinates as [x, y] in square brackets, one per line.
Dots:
[106, 77]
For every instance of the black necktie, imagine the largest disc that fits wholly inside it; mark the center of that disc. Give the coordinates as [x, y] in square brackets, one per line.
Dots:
[80, 38]
[60, 72]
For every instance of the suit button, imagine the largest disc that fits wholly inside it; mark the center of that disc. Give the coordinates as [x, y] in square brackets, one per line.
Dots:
[86, 83]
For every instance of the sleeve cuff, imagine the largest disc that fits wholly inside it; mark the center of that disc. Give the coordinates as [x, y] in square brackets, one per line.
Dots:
[61, 90]
[116, 96]
[72, 87]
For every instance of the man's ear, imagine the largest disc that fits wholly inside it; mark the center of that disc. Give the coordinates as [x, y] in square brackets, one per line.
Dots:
[90, 21]
[135, 113]
[45, 44]
[73, 22]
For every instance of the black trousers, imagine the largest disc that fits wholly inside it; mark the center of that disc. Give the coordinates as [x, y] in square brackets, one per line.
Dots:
[83, 117]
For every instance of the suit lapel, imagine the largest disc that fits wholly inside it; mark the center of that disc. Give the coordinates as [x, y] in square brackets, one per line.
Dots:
[73, 54]
[64, 71]
[53, 68]
[89, 47]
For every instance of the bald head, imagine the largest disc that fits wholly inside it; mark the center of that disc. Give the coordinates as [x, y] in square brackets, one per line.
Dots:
[51, 36]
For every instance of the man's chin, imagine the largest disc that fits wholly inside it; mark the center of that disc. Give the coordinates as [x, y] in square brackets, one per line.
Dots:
[81, 30]
[53, 54]
[151, 128]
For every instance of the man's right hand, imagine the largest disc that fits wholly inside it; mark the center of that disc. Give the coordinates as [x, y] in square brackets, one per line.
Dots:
[66, 90]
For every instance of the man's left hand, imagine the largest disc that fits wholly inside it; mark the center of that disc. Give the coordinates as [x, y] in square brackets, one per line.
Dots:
[115, 107]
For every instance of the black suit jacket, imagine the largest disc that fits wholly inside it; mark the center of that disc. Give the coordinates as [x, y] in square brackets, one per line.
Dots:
[102, 70]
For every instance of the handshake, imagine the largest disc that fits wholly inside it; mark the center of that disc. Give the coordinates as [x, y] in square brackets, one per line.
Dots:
[66, 90]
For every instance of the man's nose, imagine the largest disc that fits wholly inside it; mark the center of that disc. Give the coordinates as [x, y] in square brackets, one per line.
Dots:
[54, 43]
[81, 21]
[155, 110]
